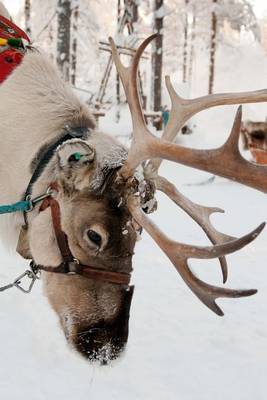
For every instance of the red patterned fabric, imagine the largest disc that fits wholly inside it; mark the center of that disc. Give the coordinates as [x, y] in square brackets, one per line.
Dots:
[10, 57]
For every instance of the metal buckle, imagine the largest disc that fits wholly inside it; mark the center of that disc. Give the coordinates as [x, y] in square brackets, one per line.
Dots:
[33, 202]
[33, 274]
[72, 266]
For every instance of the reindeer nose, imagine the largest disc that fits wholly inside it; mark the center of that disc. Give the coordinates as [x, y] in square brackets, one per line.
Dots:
[105, 341]
[97, 343]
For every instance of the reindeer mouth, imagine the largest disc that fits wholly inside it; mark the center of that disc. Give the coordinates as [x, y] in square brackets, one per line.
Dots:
[106, 340]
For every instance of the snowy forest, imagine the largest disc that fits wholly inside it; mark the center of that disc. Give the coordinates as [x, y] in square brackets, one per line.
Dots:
[177, 348]
[191, 38]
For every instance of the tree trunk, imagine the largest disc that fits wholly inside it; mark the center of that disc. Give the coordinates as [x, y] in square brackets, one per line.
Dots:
[135, 10]
[156, 74]
[74, 43]
[118, 87]
[27, 15]
[63, 37]
[212, 47]
[192, 47]
[185, 43]
[131, 11]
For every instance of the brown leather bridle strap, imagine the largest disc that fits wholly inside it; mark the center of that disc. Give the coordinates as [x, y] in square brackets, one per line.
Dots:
[61, 237]
[70, 265]
[86, 271]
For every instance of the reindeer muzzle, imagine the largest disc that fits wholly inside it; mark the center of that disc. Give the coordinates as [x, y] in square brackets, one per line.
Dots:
[104, 341]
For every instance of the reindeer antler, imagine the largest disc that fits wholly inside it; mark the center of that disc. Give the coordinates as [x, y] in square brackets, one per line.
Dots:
[225, 161]
[200, 214]
[179, 254]
[183, 109]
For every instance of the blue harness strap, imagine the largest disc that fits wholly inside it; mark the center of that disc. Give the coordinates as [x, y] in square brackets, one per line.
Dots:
[28, 204]
[19, 206]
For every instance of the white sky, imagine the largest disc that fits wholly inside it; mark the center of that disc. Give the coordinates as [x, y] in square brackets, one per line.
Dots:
[260, 6]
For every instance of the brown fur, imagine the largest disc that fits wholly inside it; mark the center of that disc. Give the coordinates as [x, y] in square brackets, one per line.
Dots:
[87, 304]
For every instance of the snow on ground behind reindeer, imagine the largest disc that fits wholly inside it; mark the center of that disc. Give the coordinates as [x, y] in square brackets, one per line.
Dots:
[177, 348]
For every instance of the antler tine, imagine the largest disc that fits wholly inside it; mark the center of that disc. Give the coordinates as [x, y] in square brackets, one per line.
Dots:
[200, 214]
[141, 135]
[179, 253]
[225, 161]
[187, 108]
[183, 109]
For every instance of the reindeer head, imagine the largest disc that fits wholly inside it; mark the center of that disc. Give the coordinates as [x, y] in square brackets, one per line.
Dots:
[100, 233]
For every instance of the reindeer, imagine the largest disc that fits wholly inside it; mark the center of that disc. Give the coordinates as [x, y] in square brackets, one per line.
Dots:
[89, 201]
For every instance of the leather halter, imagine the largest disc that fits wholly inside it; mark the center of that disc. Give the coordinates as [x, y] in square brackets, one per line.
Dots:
[10, 58]
[70, 264]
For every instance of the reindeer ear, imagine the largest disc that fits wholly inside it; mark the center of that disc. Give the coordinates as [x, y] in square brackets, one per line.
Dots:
[76, 163]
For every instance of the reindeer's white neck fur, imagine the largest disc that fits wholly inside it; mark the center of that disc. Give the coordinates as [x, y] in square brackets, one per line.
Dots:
[3, 11]
[35, 105]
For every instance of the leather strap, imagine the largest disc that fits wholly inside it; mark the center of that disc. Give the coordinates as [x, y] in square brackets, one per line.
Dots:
[70, 265]
[61, 237]
[119, 278]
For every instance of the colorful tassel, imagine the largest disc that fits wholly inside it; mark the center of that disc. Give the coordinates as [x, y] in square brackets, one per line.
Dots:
[13, 42]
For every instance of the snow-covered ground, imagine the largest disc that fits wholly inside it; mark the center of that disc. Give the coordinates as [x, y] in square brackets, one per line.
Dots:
[177, 348]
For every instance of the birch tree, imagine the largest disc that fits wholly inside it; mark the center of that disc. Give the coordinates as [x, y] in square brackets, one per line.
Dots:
[157, 50]
[27, 16]
[63, 37]
[74, 42]
[192, 46]
[185, 45]
[212, 47]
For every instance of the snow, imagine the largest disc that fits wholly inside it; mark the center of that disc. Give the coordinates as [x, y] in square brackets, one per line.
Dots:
[162, 12]
[177, 348]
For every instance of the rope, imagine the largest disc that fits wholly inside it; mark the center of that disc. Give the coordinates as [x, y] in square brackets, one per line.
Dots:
[19, 206]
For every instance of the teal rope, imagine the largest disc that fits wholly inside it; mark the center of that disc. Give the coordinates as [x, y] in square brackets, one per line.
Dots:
[20, 206]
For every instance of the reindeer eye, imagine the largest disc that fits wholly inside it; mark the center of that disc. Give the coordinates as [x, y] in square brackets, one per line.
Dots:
[94, 237]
